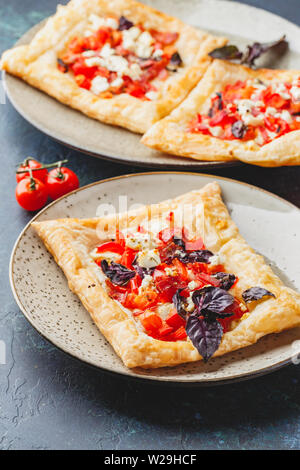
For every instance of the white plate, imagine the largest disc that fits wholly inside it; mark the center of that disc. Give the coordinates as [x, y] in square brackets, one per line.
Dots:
[241, 23]
[270, 224]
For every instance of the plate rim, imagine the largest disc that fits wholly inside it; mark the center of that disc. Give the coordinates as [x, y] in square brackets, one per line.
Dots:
[155, 380]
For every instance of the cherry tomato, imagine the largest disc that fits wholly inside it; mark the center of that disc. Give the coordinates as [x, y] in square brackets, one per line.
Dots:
[32, 163]
[61, 181]
[31, 194]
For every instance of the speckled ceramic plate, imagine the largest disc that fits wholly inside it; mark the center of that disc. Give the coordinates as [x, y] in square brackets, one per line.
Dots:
[270, 224]
[239, 22]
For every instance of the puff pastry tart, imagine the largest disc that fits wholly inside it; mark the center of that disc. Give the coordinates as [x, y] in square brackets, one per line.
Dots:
[172, 282]
[117, 61]
[236, 113]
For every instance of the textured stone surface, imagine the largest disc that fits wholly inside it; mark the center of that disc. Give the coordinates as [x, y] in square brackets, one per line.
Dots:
[50, 401]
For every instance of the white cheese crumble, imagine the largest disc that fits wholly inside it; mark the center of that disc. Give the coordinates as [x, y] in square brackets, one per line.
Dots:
[140, 241]
[143, 47]
[192, 285]
[151, 95]
[94, 62]
[146, 282]
[271, 110]
[109, 255]
[281, 90]
[190, 306]
[295, 92]
[116, 63]
[88, 53]
[107, 51]
[215, 131]
[214, 260]
[171, 271]
[286, 116]
[99, 84]
[129, 38]
[97, 22]
[258, 120]
[117, 82]
[157, 54]
[134, 71]
[149, 258]
[164, 310]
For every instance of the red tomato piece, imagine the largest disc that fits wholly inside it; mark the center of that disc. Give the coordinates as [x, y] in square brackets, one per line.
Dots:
[152, 322]
[31, 194]
[61, 181]
[195, 245]
[113, 247]
[33, 164]
[127, 257]
[165, 38]
[175, 321]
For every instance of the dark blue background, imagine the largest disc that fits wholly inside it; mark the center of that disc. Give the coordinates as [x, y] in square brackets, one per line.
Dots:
[49, 400]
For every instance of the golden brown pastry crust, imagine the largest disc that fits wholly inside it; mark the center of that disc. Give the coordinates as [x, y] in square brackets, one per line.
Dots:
[71, 240]
[168, 135]
[36, 63]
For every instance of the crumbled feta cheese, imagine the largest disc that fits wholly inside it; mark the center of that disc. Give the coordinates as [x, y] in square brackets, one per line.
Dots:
[99, 84]
[192, 285]
[107, 51]
[134, 71]
[243, 307]
[111, 23]
[164, 310]
[249, 119]
[216, 131]
[140, 241]
[281, 90]
[88, 53]
[116, 63]
[295, 92]
[107, 255]
[271, 110]
[146, 282]
[129, 38]
[171, 271]
[157, 54]
[259, 139]
[214, 260]
[97, 22]
[94, 62]
[149, 258]
[117, 82]
[151, 95]
[286, 116]
[143, 46]
[190, 306]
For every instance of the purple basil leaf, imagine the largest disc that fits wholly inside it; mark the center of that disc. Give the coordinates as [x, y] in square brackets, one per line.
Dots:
[117, 273]
[199, 256]
[142, 272]
[205, 335]
[256, 49]
[179, 242]
[63, 65]
[212, 300]
[124, 23]
[226, 280]
[218, 105]
[238, 129]
[229, 52]
[256, 293]
[176, 59]
[178, 302]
